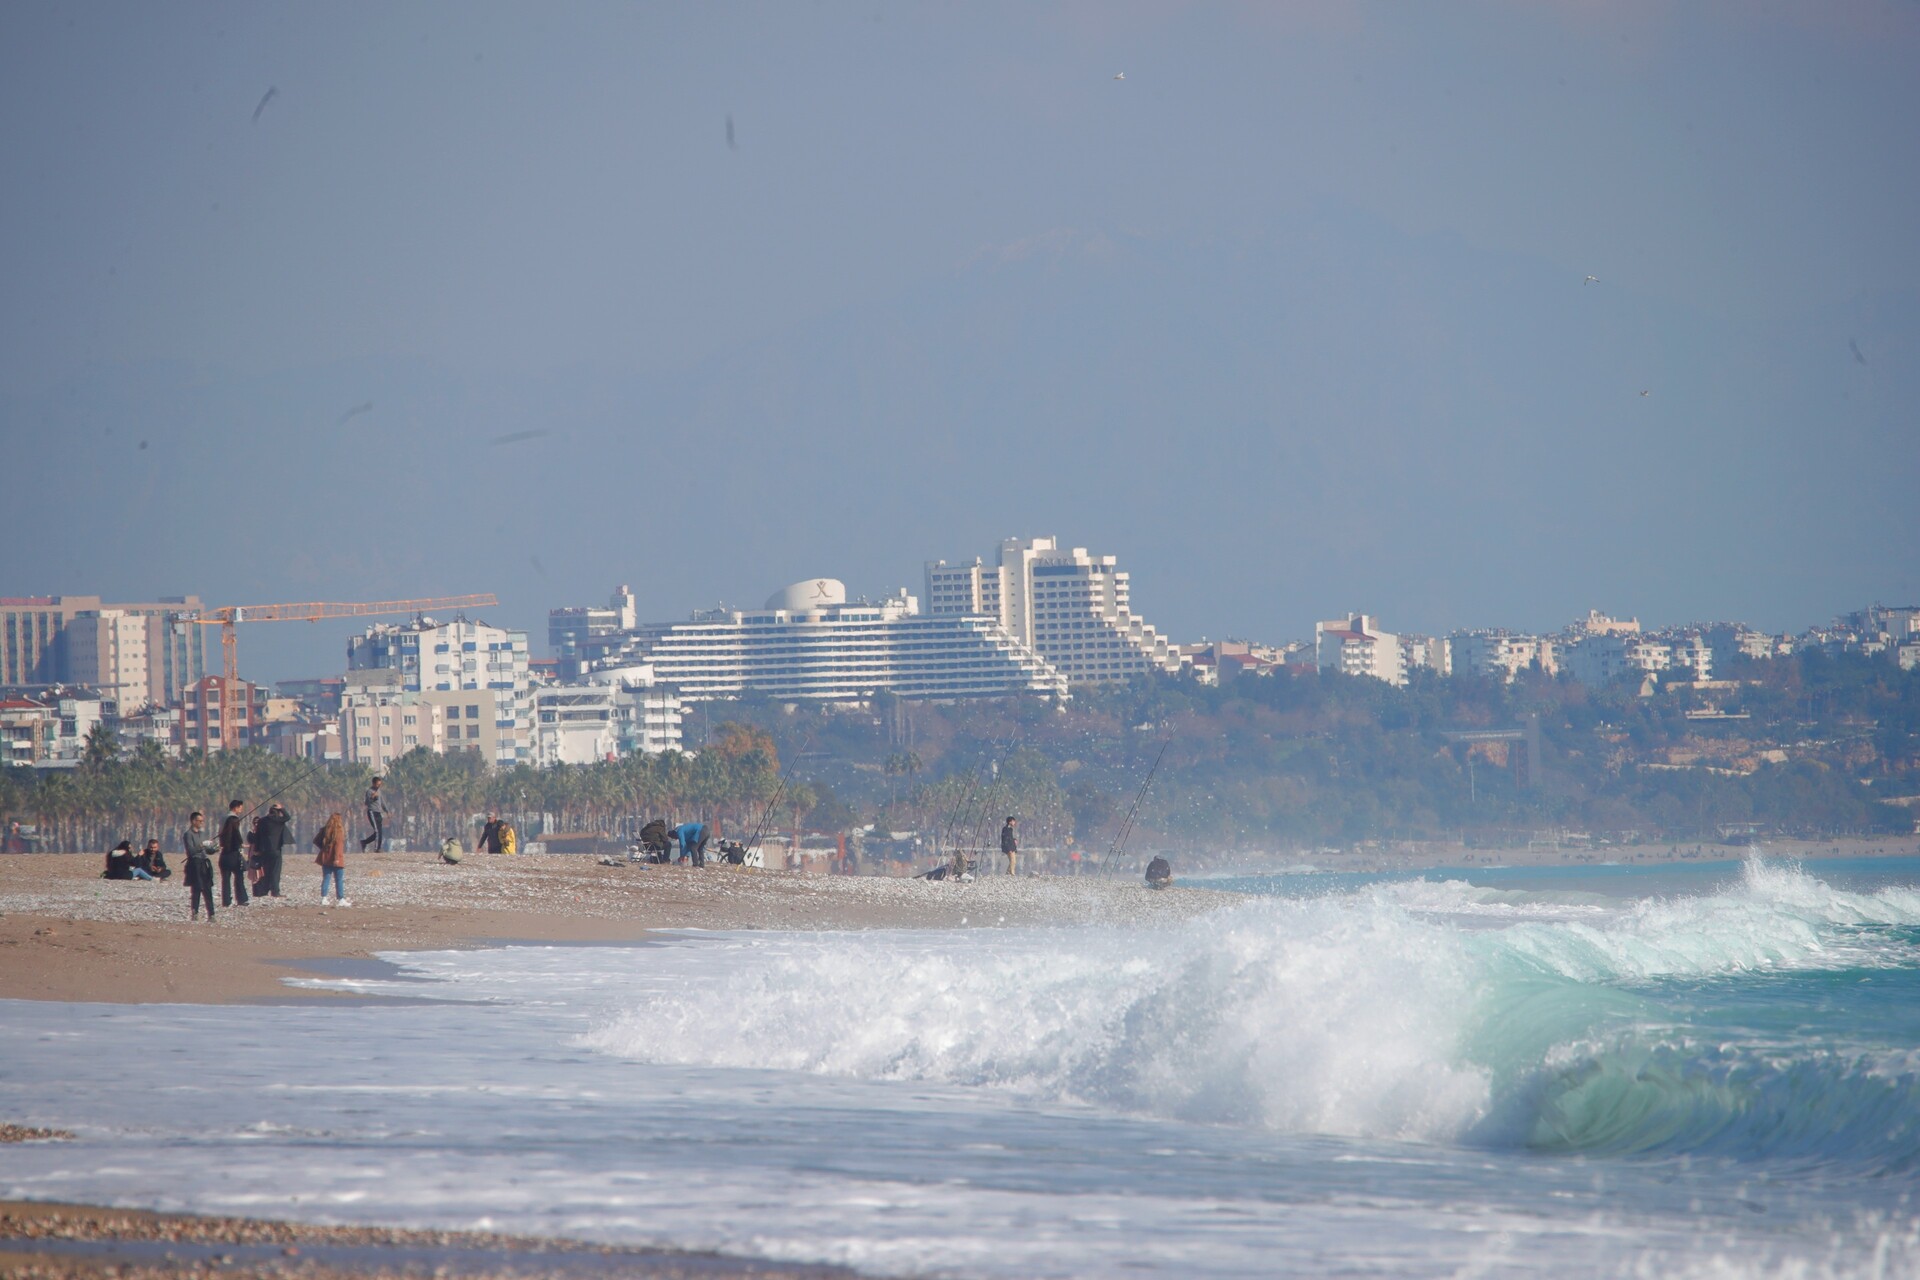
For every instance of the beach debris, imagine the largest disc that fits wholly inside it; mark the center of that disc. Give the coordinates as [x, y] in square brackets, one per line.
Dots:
[27, 1133]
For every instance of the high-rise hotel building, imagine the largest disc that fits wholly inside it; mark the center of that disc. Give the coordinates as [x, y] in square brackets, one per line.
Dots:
[810, 642]
[1070, 607]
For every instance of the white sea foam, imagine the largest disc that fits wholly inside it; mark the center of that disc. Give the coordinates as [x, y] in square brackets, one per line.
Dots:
[1371, 1014]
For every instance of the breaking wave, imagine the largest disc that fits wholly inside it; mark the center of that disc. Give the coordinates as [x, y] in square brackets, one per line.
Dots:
[1425, 1012]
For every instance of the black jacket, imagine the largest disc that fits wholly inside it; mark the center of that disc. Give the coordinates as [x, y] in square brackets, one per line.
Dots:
[1009, 842]
[274, 834]
[233, 842]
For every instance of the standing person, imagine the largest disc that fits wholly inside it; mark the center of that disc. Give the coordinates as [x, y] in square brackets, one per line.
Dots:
[199, 866]
[332, 857]
[1010, 845]
[275, 834]
[233, 856]
[377, 819]
[490, 835]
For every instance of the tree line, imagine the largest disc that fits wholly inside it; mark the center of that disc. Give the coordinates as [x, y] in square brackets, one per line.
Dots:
[735, 782]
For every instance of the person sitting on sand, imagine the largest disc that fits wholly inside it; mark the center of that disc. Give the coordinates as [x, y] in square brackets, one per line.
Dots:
[121, 864]
[153, 862]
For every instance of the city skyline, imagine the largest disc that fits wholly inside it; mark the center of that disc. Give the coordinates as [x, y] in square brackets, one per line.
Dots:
[1476, 316]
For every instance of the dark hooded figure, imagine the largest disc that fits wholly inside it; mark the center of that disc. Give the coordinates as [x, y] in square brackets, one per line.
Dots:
[655, 840]
[1159, 873]
[274, 835]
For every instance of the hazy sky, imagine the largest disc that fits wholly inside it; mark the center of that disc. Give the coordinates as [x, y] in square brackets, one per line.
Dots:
[1292, 318]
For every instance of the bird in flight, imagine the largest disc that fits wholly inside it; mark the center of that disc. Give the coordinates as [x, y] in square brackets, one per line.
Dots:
[1121, 75]
[1646, 393]
[1591, 280]
[1855, 347]
[272, 92]
[354, 412]
[731, 145]
[515, 437]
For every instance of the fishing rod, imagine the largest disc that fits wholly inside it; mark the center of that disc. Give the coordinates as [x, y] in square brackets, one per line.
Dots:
[964, 803]
[305, 776]
[1126, 827]
[766, 815]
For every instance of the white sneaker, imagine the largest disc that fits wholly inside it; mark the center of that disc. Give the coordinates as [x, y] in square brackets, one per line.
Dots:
[325, 903]
[344, 902]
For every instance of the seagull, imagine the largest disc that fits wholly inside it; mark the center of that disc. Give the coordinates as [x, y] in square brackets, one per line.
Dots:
[1646, 393]
[265, 98]
[1120, 75]
[515, 437]
[354, 412]
[1856, 351]
[1591, 280]
[731, 144]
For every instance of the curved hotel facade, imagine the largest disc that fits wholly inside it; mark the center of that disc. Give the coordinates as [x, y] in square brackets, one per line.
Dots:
[809, 642]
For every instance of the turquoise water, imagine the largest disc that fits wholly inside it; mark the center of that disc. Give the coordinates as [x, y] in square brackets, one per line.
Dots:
[1708, 1071]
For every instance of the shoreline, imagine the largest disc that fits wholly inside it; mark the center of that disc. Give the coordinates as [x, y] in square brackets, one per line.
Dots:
[66, 934]
[62, 1241]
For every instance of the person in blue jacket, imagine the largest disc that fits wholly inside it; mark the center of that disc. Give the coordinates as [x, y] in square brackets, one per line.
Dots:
[693, 842]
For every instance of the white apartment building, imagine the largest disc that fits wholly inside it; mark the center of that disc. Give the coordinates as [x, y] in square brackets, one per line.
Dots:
[1071, 608]
[810, 642]
[1604, 657]
[1434, 653]
[1500, 655]
[477, 673]
[615, 713]
[1356, 646]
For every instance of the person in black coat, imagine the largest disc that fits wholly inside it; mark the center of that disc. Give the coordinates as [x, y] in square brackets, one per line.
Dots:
[199, 864]
[233, 857]
[271, 839]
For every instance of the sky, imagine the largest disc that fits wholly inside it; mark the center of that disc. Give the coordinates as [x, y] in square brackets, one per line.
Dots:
[367, 301]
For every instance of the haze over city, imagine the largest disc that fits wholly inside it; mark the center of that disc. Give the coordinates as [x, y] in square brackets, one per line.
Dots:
[1482, 316]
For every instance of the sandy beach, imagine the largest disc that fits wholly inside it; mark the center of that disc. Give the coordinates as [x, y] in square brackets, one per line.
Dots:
[66, 934]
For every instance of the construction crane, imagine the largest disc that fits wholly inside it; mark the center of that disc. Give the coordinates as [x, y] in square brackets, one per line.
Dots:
[228, 616]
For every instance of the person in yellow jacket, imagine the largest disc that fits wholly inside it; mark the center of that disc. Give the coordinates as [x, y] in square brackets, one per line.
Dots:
[509, 838]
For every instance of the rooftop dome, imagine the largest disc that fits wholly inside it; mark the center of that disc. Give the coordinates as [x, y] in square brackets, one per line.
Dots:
[814, 593]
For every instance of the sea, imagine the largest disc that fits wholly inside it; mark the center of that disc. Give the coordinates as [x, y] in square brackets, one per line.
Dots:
[1707, 1070]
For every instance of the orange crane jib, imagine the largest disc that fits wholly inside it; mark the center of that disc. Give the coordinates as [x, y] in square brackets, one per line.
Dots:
[227, 615]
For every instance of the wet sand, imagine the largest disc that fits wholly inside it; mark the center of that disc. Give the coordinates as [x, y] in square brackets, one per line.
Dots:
[79, 1242]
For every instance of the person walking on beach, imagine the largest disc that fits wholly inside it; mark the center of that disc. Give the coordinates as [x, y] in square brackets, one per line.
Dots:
[1010, 845]
[199, 865]
[332, 857]
[490, 835]
[233, 857]
[275, 834]
[377, 819]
